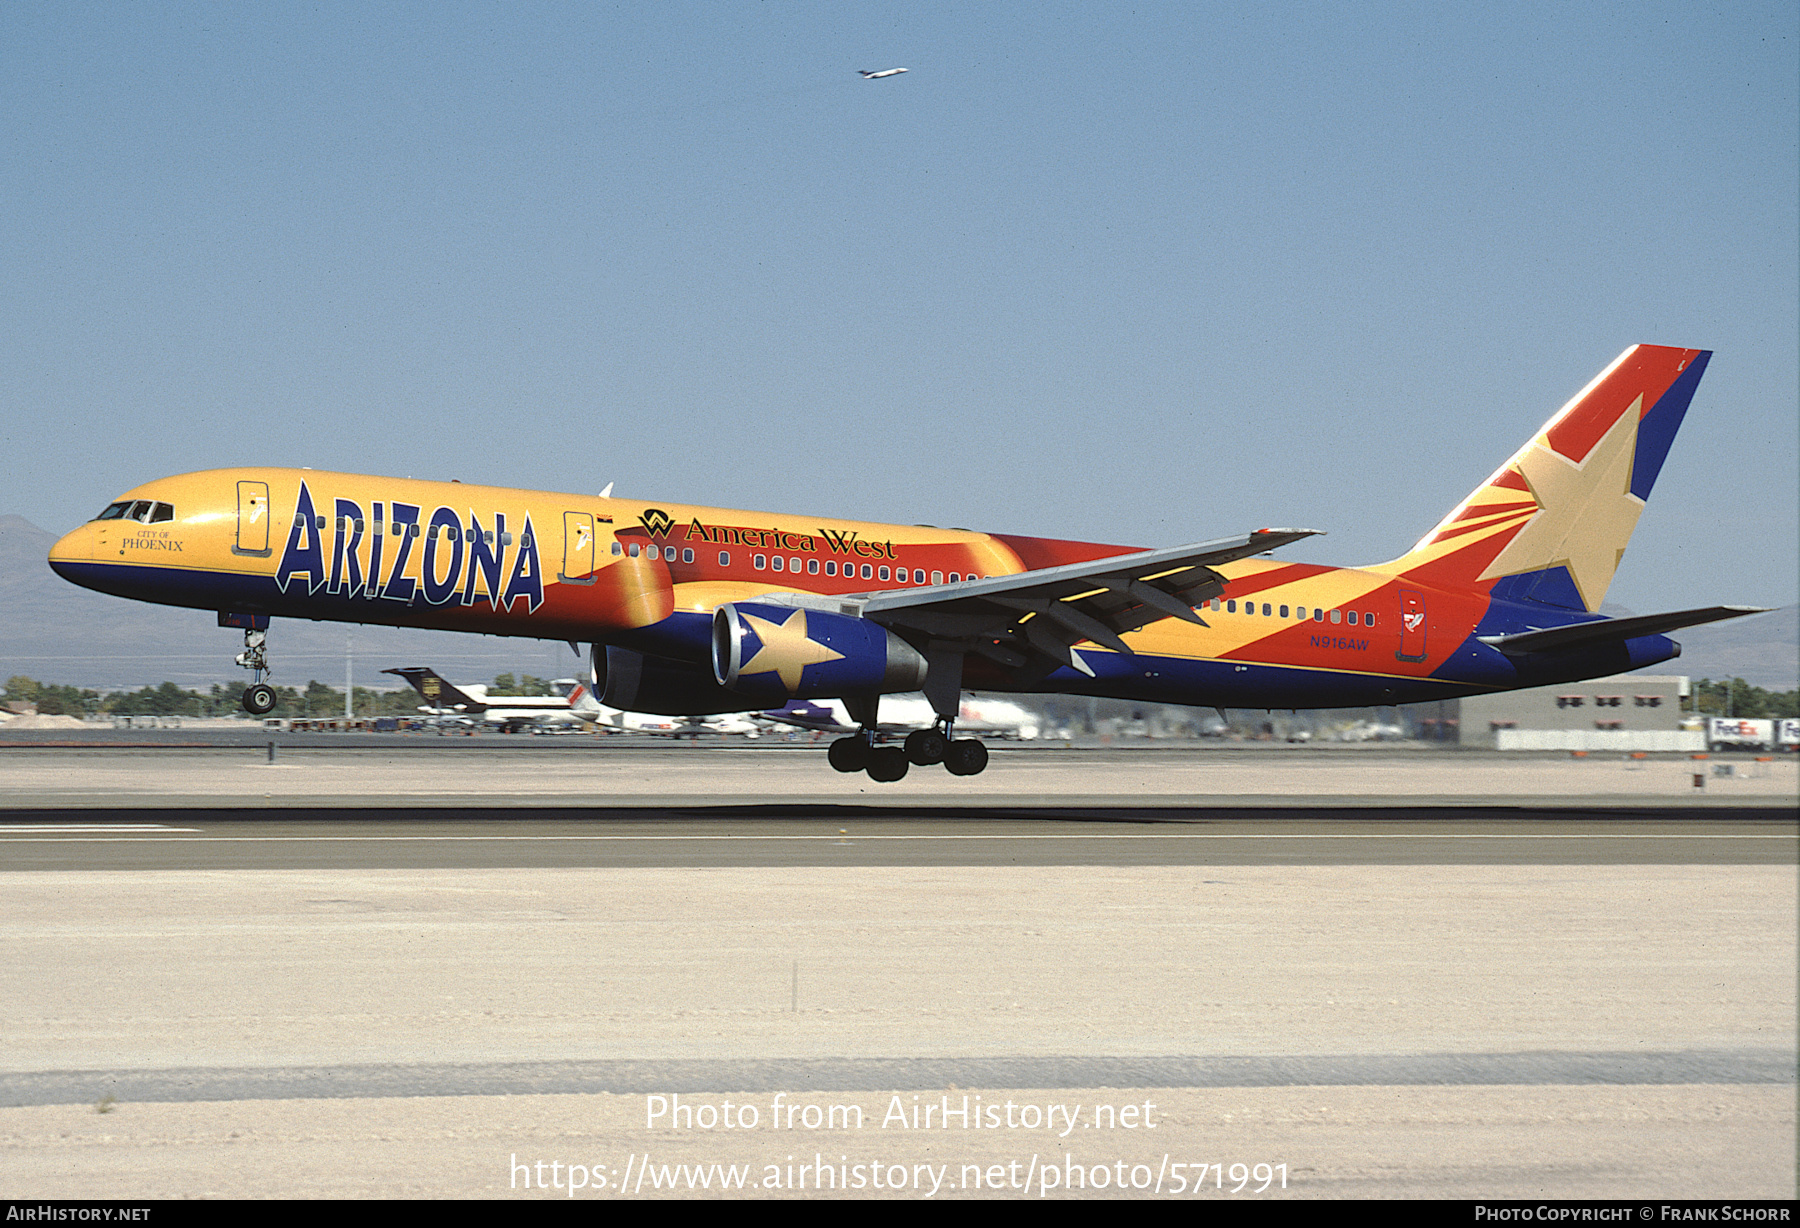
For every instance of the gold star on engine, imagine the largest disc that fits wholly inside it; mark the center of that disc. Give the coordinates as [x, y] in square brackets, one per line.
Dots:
[1586, 511]
[785, 649]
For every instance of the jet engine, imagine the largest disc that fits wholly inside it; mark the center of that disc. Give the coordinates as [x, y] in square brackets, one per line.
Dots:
[777, 653]
[634, 682]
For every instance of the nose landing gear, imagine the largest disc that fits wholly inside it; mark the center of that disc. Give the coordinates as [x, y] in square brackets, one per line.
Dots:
[259, 697]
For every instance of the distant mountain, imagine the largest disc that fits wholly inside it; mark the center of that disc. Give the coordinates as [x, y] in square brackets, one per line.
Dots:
[1763, 650]
[56, 632]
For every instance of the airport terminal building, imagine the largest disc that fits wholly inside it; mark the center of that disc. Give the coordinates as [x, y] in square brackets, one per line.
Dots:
[1626, 712]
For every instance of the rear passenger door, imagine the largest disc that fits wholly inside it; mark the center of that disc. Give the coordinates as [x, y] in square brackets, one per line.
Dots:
[1412, 625]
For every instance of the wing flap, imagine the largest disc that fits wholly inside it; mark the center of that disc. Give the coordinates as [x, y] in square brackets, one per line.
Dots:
[1050, 610]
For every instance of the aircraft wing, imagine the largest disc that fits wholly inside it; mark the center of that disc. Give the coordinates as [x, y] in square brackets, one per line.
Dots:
[1043, 613]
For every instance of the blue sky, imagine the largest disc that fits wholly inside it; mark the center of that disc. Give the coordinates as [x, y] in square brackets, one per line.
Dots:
[1147, 274]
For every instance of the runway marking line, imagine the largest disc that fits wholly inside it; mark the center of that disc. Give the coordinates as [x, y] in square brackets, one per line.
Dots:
[99, 827]
[834, 839]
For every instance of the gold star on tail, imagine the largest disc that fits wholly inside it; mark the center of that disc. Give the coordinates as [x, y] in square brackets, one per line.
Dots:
[1586, 511]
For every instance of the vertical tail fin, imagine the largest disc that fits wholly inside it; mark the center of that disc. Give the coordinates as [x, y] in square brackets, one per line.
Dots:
[435, 691]
[1551, 524]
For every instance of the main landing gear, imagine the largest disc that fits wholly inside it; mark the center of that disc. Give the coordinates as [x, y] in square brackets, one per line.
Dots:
[943, 688]
[923, 747]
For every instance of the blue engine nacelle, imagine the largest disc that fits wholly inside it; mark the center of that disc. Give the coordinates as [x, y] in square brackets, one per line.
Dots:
[633, 682]
[777, 653]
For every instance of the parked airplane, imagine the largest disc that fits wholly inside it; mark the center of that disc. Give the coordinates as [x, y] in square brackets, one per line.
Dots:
[905, 714]
[512, 713]
[876, 76]
[573, 704]
[695, 610]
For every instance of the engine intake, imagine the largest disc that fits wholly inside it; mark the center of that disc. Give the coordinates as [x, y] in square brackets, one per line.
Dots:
[777, 653]
[633, 682]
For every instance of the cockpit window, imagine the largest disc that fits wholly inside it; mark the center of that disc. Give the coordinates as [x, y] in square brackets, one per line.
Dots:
[145, 511]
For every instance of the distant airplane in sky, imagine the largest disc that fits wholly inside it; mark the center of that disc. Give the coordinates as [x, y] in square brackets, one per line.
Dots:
[698, 610]
[886, 72]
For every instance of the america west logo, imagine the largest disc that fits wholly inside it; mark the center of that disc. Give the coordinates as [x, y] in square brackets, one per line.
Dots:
[657, 521]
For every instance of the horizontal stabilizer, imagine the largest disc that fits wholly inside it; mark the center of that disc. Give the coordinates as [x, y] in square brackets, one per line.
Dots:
[1554, 639]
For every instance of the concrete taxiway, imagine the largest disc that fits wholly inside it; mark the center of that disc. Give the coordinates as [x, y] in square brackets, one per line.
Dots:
[426, 771]
[1524, 999]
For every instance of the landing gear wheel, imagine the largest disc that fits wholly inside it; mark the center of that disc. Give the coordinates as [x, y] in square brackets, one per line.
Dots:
[259, 699]
[925, 747]
[849, 754]
[966, 757]
[887, 764]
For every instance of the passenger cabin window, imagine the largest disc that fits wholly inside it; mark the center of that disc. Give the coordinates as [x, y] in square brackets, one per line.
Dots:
[724, 558]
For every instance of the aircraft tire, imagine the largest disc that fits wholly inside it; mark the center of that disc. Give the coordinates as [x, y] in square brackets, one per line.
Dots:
[259, 699]
[887, 764]
[925, 747]
[849, 754]
[966, 757]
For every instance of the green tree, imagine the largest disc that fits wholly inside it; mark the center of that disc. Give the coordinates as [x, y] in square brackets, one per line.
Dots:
[1738, 698]
[322, 700]
[504, 684]
[67, 701]
[165, 700]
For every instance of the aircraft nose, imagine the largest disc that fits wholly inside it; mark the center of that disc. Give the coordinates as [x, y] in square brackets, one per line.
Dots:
[76, 546]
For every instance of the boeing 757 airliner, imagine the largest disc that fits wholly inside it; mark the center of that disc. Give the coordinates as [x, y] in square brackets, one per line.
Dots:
[696, 610]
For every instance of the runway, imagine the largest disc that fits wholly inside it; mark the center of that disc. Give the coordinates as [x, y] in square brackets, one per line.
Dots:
[773, 836]
[1523, 999]
[426, 772]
